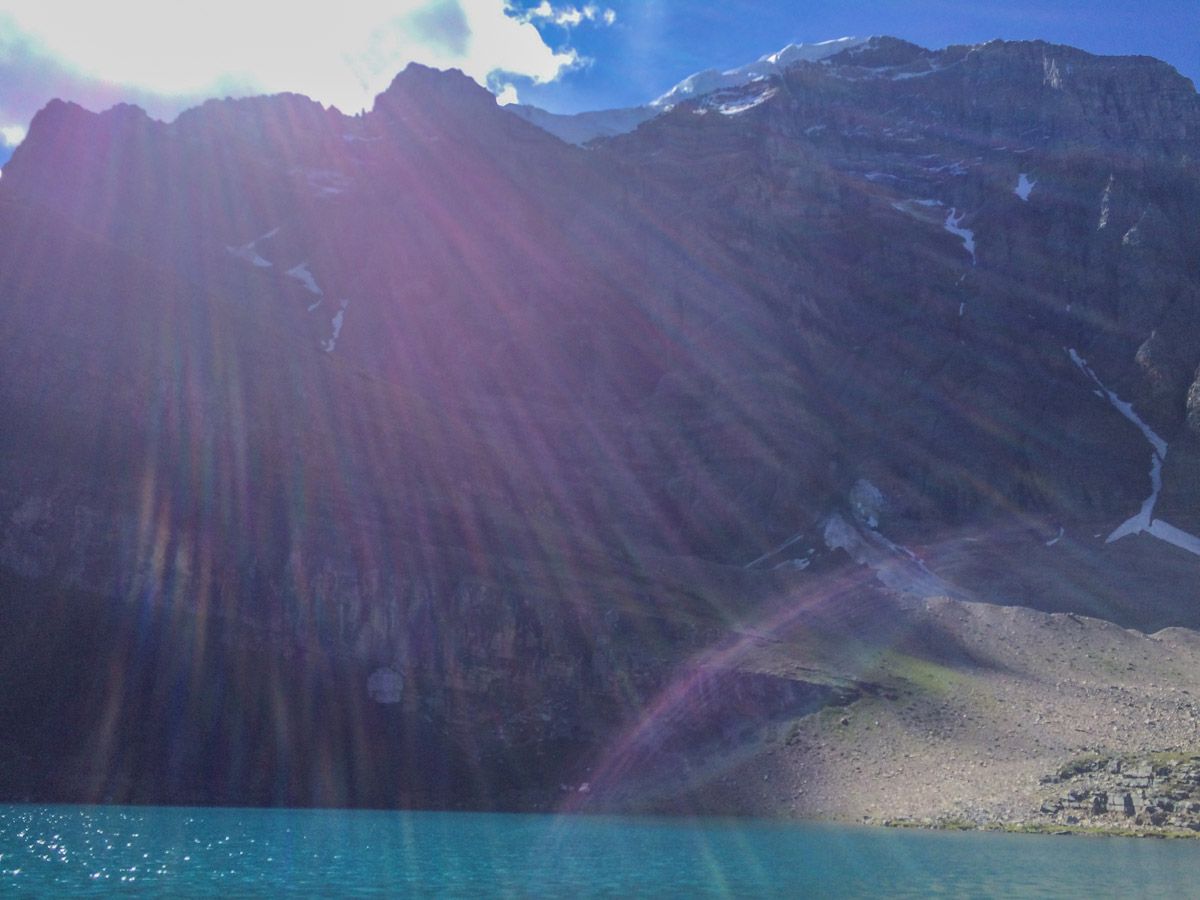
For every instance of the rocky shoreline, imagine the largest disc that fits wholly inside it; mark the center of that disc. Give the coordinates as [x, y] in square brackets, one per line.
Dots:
[1151, 795]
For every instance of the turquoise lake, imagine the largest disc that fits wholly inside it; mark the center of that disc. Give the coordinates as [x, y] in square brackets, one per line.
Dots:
[153, 851]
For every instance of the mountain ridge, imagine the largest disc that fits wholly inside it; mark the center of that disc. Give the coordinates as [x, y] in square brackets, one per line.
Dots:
[886, 53]
[527, 430]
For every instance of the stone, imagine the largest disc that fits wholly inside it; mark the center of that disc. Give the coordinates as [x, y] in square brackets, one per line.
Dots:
[1193, 407]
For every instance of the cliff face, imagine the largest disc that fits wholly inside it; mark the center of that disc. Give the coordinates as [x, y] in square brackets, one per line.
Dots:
[425, 405]
[950, 224]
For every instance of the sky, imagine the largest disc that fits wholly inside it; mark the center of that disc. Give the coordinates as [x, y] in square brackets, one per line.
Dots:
[167, 55]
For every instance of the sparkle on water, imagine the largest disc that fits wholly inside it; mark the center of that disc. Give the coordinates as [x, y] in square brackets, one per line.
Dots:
[94, 850]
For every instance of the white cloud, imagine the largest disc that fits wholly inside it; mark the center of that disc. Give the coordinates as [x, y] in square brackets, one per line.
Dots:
[507, 95]
[569, 16]
[11, 135]
[196, 48]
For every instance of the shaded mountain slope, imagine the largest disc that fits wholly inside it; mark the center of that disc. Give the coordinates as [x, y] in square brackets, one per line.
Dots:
[429, 393]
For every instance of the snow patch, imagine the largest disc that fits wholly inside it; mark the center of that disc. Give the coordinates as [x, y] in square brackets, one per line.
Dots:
[952, 223]
[1024, 186]
[1145, 516]
[894, 566]
[958, 168]
[1058, 537]
[906, 76]
[917, 209]
[953, 218]
[337, 322]
[251, 255]
[1143, 522]
[305, 277]
[1125, 409]
[741, 106]
[1106, 203]
[714, 80]
[794, 53]
[1133, 237]
[1172, 535]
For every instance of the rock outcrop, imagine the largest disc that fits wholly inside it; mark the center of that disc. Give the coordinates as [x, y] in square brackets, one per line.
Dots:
[1110, 793]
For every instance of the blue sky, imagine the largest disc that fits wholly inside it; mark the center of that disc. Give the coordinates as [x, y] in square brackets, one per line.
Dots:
[564, 55]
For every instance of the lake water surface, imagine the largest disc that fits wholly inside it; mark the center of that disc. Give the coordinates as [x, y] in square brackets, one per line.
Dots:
[95, 850]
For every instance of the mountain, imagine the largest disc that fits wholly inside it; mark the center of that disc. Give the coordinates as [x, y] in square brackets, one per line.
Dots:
[420, 457]
[771, 65]
[580, 128]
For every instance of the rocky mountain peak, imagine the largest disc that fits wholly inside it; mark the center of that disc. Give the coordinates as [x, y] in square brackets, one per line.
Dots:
[263, 112]
[59, 120]
[881, 51]
[66, 143]
[423, 86]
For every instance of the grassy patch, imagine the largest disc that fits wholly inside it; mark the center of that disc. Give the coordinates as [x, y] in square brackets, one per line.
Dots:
[926, 677]
[1169, 758]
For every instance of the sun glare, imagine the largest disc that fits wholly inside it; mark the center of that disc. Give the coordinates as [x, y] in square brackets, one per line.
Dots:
[227, 46]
